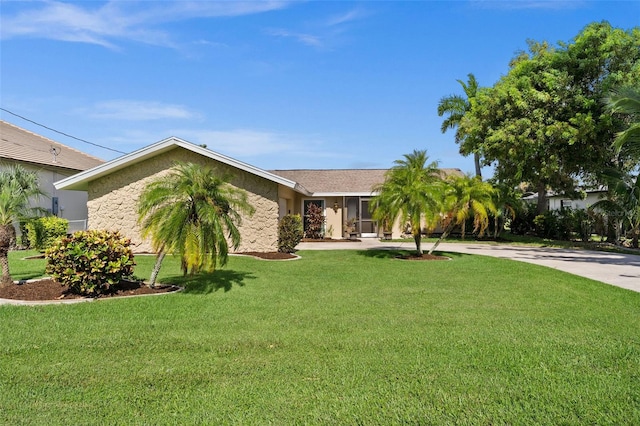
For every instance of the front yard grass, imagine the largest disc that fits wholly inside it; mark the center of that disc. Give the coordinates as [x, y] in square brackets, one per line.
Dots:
[338, 337]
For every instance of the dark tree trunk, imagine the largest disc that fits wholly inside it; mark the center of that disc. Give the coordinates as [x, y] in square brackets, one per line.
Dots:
[476, 160]
[418, 240]
[542, 198]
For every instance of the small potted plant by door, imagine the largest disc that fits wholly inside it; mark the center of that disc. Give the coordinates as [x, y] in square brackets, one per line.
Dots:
[350, 228]
[386, 230]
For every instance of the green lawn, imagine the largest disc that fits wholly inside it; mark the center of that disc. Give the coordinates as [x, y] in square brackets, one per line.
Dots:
[338, 337]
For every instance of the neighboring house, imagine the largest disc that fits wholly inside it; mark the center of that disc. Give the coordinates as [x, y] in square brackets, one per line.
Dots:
[557, 201]
[52, 161]
[114, 189]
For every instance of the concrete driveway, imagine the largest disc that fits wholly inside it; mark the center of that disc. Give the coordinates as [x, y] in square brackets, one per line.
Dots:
[622, 270]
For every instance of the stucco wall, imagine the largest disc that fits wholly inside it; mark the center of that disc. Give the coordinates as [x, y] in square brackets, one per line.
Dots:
[113, 200]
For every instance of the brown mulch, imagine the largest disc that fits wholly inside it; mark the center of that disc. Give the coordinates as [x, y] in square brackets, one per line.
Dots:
[269, 256]
[48, 289]
[328, 240]
[425, 256]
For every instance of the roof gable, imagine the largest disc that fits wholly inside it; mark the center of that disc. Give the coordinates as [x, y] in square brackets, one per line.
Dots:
[18, 144]
[80, 181]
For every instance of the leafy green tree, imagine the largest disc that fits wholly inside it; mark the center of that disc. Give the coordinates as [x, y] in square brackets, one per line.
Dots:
[456, 106]
[543, 122]
[190, 213]
[412, 191]
[17, 187]
[626, 101]
[466, 197]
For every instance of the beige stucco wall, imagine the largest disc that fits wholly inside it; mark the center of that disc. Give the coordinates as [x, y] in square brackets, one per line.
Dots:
[113, 200]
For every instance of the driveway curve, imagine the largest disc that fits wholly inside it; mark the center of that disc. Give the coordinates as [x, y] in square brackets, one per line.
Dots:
[621, 270]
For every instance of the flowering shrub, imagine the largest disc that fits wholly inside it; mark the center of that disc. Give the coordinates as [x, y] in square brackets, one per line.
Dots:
[90, 262]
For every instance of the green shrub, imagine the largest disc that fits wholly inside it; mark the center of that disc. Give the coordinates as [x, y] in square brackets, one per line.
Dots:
[90, 262]
[289, 233]
[41, 232]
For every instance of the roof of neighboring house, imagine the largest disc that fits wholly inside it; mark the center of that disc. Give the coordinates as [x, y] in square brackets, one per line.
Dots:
[342, 181]
[81, 180]
[18, 144]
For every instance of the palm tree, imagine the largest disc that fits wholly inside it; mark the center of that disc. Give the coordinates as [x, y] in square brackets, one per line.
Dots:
[191, 213]
[627, 101]
[623, 201]
[507, 203]
[17, 187]
[466, 197]
[456, 107]
[412, 191]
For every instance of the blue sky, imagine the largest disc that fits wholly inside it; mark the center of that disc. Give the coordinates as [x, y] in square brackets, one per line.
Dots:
[277, 84]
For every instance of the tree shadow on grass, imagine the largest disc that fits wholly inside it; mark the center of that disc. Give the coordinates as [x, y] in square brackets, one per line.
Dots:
[394, 253]
[208, 283]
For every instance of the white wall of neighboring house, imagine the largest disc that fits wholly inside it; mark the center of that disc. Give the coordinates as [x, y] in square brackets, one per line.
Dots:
[72, 205]
[557, 202]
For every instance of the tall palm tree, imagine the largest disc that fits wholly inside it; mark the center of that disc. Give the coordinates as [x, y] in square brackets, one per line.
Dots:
[17, 187]
[466, 197]
[456, 107]
[412, 191]
[627, 101]
[191, 213]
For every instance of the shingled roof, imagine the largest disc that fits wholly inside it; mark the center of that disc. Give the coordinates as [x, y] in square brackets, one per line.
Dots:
[22, 145]
[341, 181]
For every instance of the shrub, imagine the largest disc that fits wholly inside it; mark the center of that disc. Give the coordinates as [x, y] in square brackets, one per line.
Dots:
[289, 233]
[90, 262]
[315, 221]
[41, 232]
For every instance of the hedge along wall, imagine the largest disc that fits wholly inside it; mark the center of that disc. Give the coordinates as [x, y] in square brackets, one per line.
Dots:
[113, 199]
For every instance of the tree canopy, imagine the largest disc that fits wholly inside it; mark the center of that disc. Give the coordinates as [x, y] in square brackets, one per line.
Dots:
[544, 122]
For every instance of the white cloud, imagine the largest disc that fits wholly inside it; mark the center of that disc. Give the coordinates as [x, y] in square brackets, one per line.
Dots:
[139, 111]
[117, 20]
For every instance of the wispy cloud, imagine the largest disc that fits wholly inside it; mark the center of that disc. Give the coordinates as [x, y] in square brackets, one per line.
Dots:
[116, 20]
[321, 34]
[129, 110]
[242, 142]
[308, 39]
[528, 4]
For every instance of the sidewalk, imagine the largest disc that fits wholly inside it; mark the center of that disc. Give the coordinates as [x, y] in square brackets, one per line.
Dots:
[621, 270]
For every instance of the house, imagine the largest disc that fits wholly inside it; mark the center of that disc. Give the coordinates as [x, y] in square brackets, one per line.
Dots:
[560, 201]
[52, 161]
[113, 189]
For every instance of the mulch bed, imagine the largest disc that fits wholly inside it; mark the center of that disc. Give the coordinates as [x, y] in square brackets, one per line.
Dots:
[328, 240]
[269, 256]
[425, 256]
[48, 289]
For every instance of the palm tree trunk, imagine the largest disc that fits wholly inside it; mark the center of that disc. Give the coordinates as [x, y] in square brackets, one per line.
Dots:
[156, 268]
[444, 235]
[418, 240]
[5, 243]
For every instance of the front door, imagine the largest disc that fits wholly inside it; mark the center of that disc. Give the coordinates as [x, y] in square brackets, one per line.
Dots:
[368, 227]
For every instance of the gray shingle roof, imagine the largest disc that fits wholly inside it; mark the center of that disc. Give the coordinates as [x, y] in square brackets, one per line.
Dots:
[341, 180]
[22, 145]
